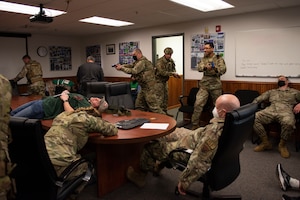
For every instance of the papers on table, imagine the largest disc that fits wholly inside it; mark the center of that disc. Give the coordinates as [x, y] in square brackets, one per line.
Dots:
[161, 126]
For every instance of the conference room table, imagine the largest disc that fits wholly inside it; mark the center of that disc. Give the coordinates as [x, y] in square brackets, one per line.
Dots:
[116, 153]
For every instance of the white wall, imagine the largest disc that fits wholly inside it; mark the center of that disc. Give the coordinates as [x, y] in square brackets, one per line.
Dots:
[230, 25]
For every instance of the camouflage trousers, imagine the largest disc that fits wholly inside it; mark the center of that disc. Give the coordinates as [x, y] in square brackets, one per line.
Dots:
[268, 115]
[201, 99]
[150, 99]
[37, 88]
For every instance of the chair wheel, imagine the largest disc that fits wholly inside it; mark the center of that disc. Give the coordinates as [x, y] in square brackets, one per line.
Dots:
[176, 191]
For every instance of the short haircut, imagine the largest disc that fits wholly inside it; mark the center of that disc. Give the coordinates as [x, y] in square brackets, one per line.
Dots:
[26, 56]
[210, 44]
[91, 58]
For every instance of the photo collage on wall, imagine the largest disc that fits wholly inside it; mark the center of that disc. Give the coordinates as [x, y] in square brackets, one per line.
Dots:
[60, 58]
[94, 51]
[125, 52]
[198, 42]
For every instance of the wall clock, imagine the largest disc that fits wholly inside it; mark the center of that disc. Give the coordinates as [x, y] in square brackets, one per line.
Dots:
[42, 51]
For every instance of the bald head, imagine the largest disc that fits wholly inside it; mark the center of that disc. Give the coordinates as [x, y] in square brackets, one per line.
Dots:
[226, 103]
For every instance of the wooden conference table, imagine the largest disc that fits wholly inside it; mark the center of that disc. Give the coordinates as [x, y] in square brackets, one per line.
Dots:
[114, 154]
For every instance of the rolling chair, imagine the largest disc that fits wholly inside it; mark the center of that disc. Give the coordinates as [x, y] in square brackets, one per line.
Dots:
[118, 94]
[34, 174]
[225, 167]
[187, 105]
[246, 96]
[94, 89]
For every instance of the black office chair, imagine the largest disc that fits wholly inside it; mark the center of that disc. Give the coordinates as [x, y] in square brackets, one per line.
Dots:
[94, 89]
[187, 105]
[187, 102]
[246, 96]
[118, 94]
[34, 174]
[225, 166]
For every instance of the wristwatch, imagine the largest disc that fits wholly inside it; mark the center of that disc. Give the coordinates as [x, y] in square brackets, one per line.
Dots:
[66, 100]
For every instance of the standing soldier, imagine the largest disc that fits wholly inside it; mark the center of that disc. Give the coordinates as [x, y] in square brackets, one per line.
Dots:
[143, 71]
[164, 68]
[285, 103]
[34, 74]
[212, 66]
[5, 137]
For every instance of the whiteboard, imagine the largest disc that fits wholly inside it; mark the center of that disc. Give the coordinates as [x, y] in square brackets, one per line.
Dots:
[268, 53]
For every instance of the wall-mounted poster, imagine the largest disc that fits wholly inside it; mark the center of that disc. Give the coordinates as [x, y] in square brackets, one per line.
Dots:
[198, 42]
[125, 52]
[94, 51]
[60, 58]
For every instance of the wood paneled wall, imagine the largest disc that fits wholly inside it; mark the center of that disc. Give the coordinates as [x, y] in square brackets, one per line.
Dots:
[177, 88]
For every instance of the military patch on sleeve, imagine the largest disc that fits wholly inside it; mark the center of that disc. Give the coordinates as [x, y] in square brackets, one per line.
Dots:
[209, 145]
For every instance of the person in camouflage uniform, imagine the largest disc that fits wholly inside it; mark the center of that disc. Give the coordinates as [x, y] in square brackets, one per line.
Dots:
[284, 104]
[143, 71]
[69, 133]
[164, 68]
[203, 141]
[212, 66]
[34, 74]
[5, 136]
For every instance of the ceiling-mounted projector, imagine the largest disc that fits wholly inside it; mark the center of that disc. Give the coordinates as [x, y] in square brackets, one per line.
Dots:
[41, 17]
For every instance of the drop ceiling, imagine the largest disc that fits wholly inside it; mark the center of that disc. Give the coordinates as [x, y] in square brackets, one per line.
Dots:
[143, 13]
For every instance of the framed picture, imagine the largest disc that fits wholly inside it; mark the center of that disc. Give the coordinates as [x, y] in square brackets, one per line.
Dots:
[110, 49]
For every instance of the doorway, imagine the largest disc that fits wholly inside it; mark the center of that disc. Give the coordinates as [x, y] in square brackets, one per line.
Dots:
[176, 42]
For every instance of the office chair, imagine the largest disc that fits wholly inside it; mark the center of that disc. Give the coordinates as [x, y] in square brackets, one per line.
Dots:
[94, 89]
[225, 166]
[118, 94]
[246, 96]
[34, 174]
[187, 104]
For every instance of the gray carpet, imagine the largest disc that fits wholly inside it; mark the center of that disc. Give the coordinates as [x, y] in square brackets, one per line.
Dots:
[257, 180]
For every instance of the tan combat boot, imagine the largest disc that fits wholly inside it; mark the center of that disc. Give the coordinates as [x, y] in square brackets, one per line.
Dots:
[283, 149]
[264, 145]
[137, 178]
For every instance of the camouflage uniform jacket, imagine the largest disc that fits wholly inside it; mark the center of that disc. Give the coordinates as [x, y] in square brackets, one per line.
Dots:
[164, 69]
[142, 70]
[211, 78]
[32, 71]
[204, 143]
[69, 133]
[5, 135]
[53, 105]
[281, 100]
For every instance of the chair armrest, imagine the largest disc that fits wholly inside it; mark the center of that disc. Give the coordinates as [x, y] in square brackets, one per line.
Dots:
[66, 173]
[176, 163]
[180, 99]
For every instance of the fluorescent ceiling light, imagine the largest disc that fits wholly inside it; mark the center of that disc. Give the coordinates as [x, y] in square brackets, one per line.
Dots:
[29, 10]
[105, 21]
[204, 5]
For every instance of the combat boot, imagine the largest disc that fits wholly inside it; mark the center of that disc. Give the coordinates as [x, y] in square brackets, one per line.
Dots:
[195, 127]
[139, 179]
[264, 145]
[283, 149]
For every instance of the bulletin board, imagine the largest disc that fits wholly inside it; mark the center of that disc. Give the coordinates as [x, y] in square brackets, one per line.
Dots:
[60, 58]
[198, 43]
[95, 51]
[268, 53]
[125, 52]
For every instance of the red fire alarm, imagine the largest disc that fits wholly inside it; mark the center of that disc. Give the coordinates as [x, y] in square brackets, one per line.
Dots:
[218, 28]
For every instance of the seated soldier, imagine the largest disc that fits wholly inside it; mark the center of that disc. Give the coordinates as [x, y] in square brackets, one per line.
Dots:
[284, 104]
